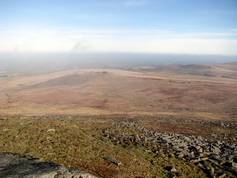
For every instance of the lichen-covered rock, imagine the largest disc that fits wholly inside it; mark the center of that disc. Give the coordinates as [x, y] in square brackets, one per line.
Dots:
[16, 166]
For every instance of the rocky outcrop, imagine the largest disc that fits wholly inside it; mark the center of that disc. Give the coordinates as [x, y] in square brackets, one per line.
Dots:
[216, 158]
[16, 166]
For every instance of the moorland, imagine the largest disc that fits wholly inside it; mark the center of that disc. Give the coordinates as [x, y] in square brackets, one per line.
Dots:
[164, 121]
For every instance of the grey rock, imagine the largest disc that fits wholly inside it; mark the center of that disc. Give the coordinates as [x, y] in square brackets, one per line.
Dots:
[213, 156]
[16, 166]
[222, 176]
[174, 170]
[112, 160]
[216, 150]
[234, 165]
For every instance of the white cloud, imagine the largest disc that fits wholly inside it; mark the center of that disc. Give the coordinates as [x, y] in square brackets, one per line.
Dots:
[116, 40]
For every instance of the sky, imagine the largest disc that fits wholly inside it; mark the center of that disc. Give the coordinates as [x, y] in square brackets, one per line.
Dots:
[146, 26]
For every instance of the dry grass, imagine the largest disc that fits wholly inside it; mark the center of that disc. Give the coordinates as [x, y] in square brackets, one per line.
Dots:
[76, 142]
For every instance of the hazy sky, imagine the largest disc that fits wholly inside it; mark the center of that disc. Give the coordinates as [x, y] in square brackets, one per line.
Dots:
[157, 26]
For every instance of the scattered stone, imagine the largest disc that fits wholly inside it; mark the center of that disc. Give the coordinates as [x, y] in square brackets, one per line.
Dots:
[212, 156]
[51, 130]
[171, 171]
[216, 150]
[112, 160]
[222, 176]
[234, 163]
[174, 170]
[212, 172]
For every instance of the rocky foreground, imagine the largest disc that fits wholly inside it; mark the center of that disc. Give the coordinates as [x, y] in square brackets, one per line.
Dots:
[16, 166]
[216, 158]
